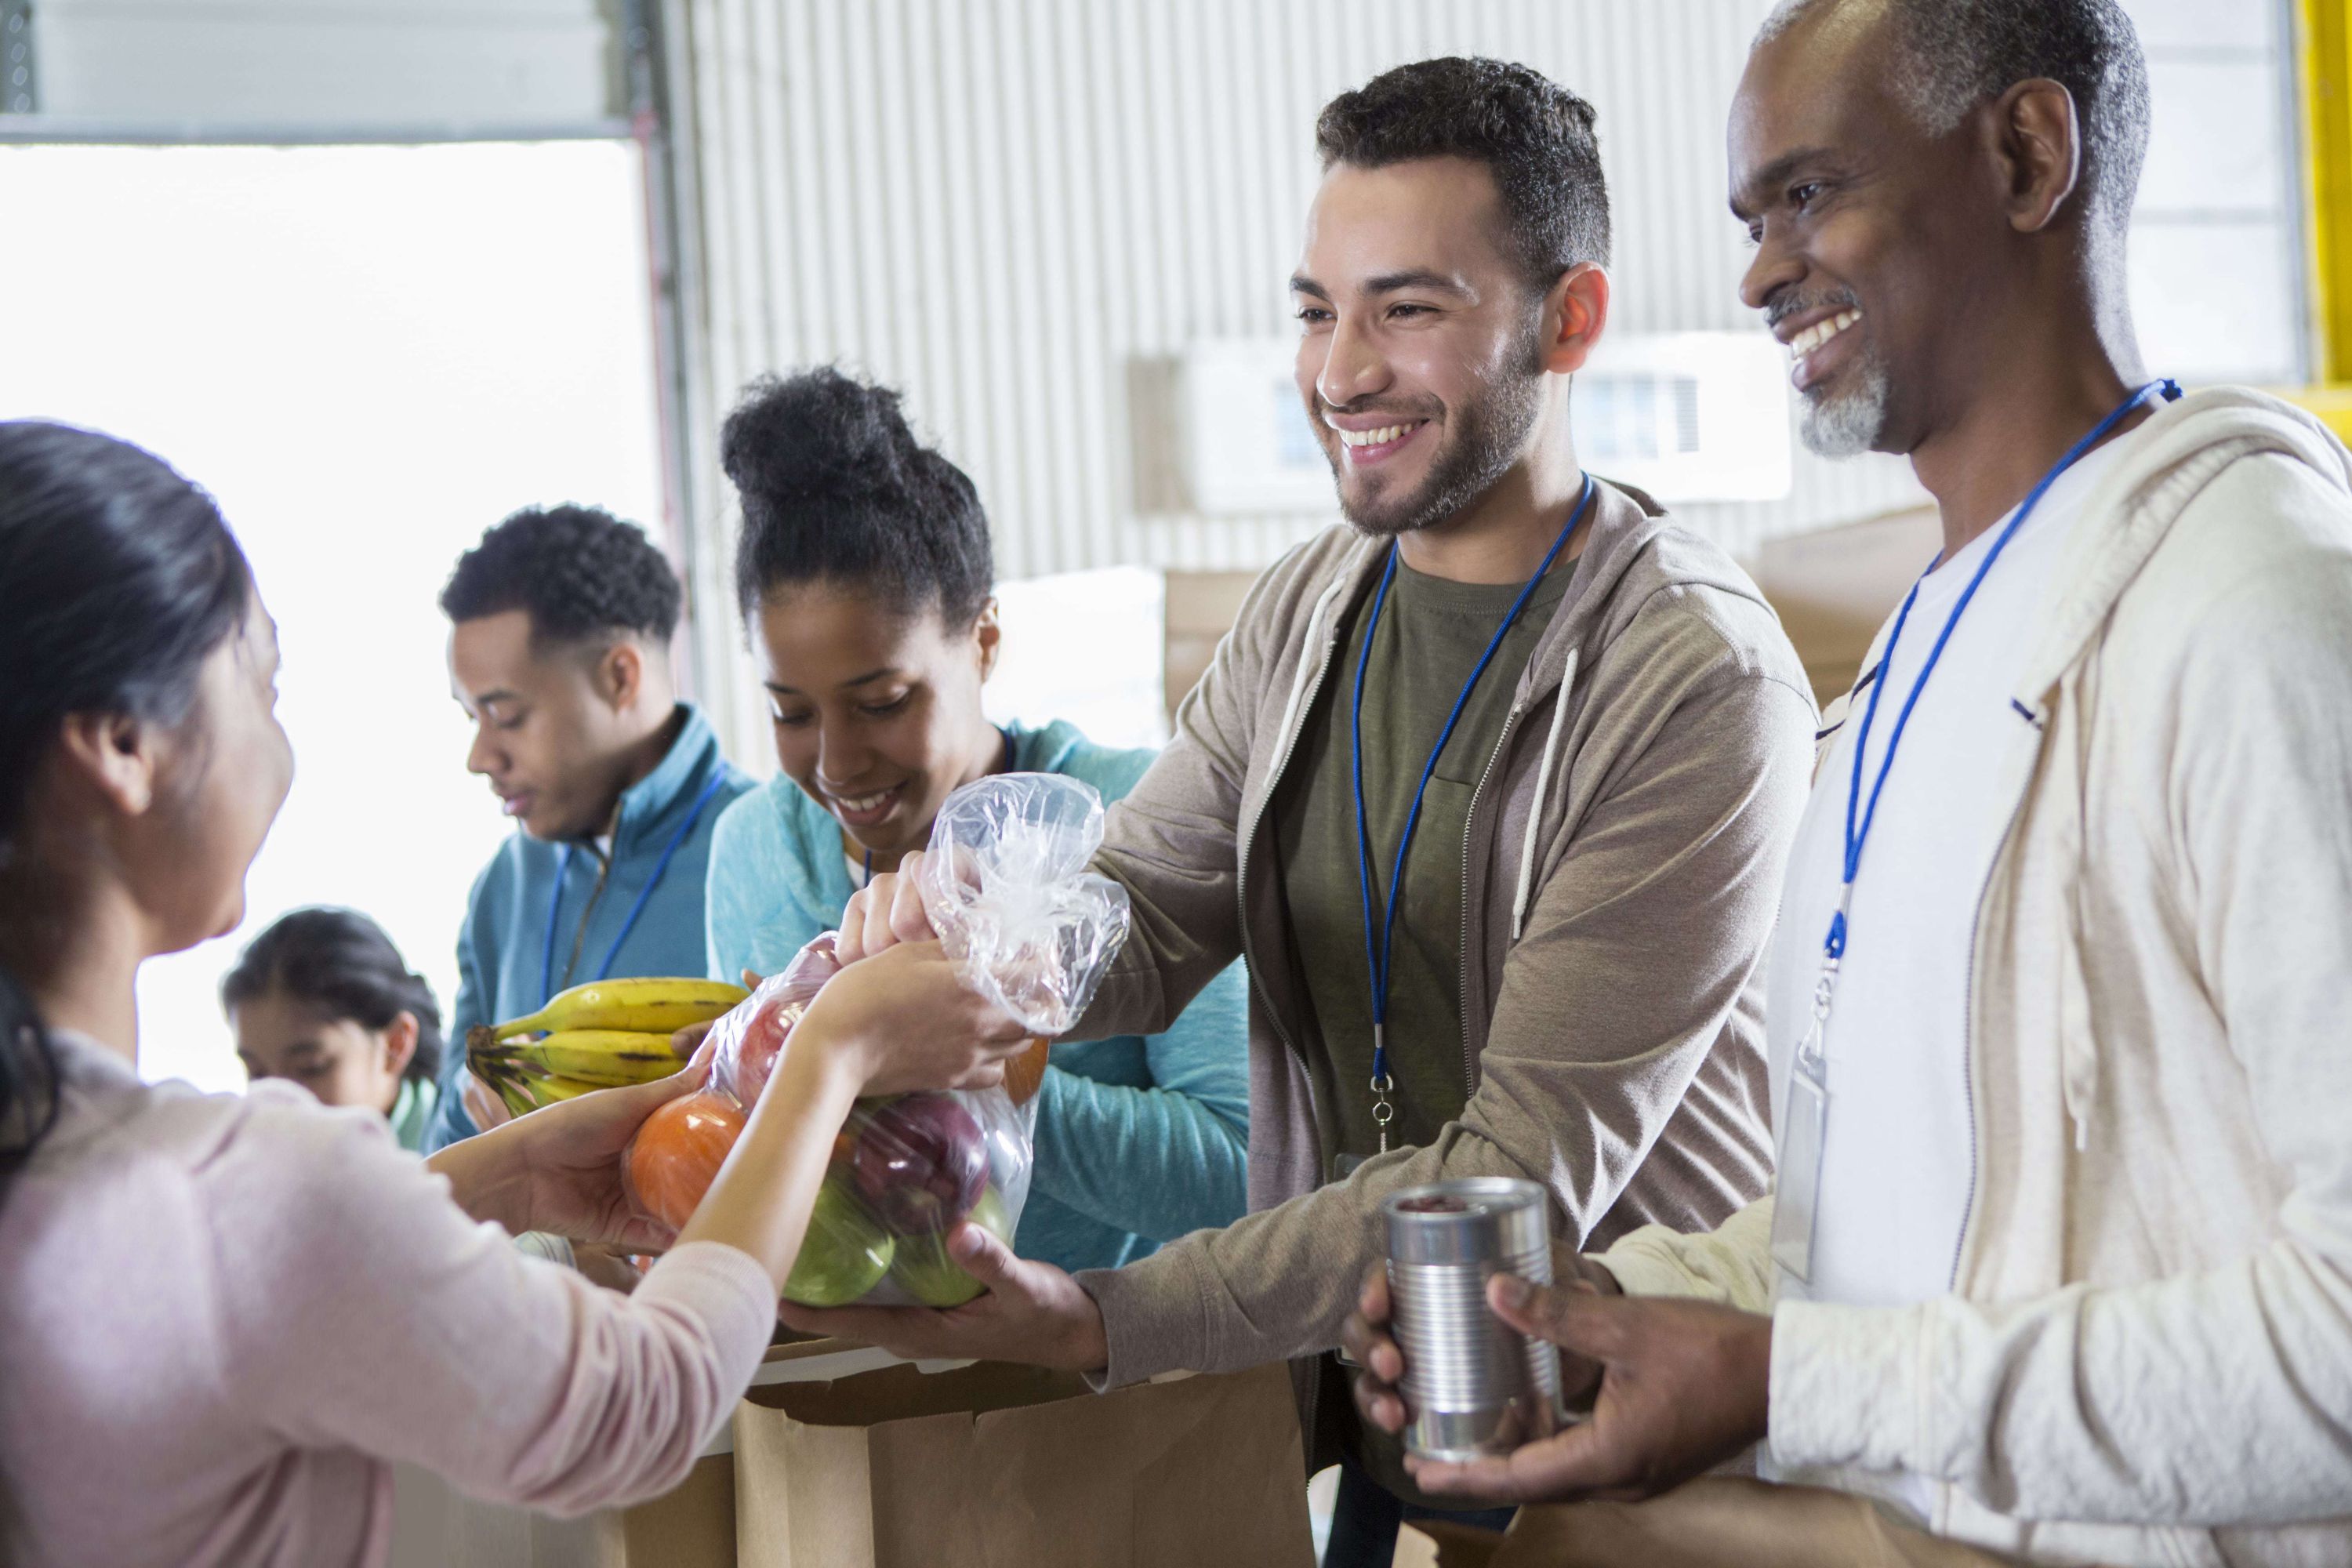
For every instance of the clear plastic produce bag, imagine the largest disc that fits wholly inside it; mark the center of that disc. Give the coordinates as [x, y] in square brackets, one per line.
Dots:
[1029, 928]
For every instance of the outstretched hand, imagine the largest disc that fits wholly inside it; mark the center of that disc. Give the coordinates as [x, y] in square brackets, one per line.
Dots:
[1683, 1387]
[559, 1169]
[1030, 1311]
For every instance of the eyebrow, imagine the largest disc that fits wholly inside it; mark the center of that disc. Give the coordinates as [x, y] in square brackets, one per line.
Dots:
[1389, 283]
[871, 676]
[1776, 172]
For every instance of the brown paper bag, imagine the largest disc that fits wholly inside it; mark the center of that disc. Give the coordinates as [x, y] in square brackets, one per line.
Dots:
[994, 1466]
[1723, 1519]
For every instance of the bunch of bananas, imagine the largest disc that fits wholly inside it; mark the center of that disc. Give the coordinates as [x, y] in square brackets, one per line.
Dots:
[599, 1035]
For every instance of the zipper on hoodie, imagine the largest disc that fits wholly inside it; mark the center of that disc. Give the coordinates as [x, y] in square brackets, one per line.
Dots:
[1968, 1029]
[1469, 823]
[1249, 841]
[595, 896]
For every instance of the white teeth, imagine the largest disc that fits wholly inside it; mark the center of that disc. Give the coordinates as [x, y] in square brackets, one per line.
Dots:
[1371, 438]
[863, 802]
[1820, 332]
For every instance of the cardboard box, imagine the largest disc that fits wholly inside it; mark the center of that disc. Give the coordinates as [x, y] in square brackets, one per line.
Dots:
[994, 1466]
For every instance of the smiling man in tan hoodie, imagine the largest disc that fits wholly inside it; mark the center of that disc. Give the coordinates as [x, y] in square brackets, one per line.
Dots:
[2060, 1259]
[1601, 727]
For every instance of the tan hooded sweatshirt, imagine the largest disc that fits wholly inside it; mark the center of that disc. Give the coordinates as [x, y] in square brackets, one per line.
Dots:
[1621, 867]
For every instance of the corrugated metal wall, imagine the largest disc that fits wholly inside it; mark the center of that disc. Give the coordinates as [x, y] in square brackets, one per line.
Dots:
[1017, 210]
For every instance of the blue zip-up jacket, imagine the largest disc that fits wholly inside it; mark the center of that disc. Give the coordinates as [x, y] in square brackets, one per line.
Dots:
[1140, 1138]
[504, 943]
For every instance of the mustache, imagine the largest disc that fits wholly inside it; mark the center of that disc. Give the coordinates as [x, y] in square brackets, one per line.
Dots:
[1784, 306]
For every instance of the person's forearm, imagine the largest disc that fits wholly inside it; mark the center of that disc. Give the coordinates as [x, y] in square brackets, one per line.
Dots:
[487, 1177]
[1150, 1161]
[760, 1202]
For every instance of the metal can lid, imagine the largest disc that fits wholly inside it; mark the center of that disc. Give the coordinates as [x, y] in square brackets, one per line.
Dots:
[1470, 1219]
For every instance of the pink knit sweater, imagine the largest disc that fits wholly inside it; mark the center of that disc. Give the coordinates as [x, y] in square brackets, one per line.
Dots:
[220, 1317]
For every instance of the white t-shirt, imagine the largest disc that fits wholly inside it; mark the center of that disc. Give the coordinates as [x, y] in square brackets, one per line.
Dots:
[1898, 1158]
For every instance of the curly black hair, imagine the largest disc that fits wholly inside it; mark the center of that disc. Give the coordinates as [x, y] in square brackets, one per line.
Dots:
[343, 963]
[1534, 136]
[580, 571]
[836, 487]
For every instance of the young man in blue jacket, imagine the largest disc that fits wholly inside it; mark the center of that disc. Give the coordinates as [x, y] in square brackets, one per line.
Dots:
[558, 652]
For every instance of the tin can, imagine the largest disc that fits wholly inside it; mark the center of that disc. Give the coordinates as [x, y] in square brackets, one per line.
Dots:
[1475, 1385]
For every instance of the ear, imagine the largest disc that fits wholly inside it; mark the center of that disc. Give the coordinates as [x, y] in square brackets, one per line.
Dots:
[114, 755]
[2038, 144]
[987, 635]
[399, 1043]
[1576, 313]
[621, 674]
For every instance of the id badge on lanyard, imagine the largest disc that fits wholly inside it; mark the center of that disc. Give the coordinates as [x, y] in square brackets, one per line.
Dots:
[1804, 1136]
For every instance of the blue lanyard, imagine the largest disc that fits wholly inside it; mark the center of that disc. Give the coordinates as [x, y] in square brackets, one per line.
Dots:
[661, 868]
[1834, 945]
[1379, 939]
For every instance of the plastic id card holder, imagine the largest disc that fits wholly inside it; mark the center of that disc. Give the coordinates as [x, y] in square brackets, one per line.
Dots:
[1797, 1197]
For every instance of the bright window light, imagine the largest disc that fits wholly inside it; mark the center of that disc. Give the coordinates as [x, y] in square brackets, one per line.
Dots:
[368, 354]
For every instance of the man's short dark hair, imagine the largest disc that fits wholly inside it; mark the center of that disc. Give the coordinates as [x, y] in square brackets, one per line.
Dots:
[580, 572]
[1534, 136]
[1958, 54]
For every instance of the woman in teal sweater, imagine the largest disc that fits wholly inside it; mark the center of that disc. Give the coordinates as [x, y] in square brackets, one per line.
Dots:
[864, 577]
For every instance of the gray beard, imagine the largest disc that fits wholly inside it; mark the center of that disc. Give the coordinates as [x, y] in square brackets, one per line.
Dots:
[1851, 425]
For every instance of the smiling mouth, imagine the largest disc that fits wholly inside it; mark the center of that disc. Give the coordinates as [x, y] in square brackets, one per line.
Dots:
[1372, 445]
[865, 808]
[1806, 347]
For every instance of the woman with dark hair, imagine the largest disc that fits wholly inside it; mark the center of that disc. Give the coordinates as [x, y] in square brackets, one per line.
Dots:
[323, 999]
[225, 1316]
[866, 581]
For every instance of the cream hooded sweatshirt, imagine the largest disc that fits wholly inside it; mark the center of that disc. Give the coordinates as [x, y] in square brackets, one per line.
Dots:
[2145, 1356]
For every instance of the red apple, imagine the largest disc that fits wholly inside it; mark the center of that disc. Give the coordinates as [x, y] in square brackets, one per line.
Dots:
[921, 1162]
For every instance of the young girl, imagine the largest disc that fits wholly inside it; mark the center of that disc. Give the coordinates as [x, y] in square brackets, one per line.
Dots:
[865, 579]
[225, 1315]
[323, 999]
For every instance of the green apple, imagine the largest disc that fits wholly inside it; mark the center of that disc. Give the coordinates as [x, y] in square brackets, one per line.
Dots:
[843, 1255]
[924, 1270]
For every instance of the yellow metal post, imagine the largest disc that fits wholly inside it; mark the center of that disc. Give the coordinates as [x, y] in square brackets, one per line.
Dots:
[2325, 42]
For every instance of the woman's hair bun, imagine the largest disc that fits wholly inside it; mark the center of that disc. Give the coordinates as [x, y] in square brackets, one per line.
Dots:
[820, 433]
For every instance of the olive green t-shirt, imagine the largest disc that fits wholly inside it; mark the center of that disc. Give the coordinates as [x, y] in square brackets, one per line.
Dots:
[1430, 635]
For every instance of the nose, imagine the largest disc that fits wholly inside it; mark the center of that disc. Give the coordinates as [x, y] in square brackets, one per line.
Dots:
[1774, 268]
[1353, 365]
[479, 756]
[841, 758]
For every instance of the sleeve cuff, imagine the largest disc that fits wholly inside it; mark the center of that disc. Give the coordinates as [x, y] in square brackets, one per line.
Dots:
[1155, 1315]
[1850, 1386]
[1644, 1265]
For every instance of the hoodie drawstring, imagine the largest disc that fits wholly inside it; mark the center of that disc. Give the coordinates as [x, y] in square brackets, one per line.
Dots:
[1543, 790]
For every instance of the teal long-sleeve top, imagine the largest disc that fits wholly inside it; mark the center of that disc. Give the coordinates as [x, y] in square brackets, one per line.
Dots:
[1140, 1138]
[533, 890]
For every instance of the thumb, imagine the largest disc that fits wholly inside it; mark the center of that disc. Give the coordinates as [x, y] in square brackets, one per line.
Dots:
[980, 1254]
[1575, 1319]
[648, 1097]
